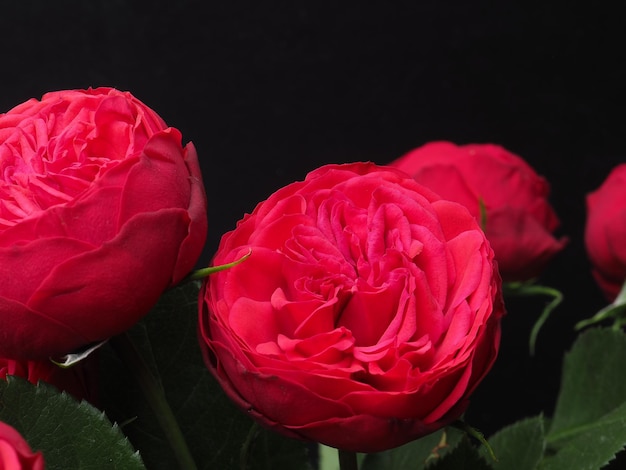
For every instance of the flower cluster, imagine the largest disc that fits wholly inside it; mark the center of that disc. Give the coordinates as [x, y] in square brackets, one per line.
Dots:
[358, 308]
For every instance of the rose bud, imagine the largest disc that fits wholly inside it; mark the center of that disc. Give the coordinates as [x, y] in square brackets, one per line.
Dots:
[101, 210]
[366, 314]
[605, 232]
[502, 191]
[15, 453]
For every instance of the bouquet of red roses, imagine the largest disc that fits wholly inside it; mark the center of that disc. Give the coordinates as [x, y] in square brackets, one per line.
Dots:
[357, 309]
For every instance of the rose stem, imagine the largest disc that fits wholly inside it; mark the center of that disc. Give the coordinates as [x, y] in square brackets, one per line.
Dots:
[153, 392]
[347, 460]
[246, 448]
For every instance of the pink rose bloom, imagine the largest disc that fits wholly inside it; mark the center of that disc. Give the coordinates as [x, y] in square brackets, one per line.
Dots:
[518, 219]
[15, 453]
[366, 315]
[605, 232]
[101, 210]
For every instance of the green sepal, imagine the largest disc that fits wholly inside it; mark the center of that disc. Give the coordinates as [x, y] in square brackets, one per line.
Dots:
[200, 274]
[69, 360]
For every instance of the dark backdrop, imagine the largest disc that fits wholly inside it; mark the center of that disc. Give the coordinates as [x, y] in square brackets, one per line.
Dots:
[270, 90]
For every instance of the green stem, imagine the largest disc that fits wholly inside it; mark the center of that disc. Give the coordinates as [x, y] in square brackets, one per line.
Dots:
[476, 434]
[527, 290]
[155, 396]
[347, 460]
[246, 448]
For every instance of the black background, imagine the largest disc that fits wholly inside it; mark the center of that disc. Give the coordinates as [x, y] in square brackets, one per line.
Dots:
[268, 91]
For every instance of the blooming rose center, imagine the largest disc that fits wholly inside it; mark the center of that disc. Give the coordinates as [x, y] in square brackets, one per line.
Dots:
[367, 280]
[362, 266]
[44, 162]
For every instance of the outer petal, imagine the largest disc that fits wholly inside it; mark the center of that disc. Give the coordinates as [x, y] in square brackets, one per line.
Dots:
[33, 334]
[191, 248]
[114, 285]
[605, 230]
[23, 267]
[524, 245]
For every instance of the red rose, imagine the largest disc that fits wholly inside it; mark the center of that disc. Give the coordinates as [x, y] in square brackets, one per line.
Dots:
[605, 232]
[366, 314]
[15, 453]
[101, 209]
[519, 220]
[80, 380]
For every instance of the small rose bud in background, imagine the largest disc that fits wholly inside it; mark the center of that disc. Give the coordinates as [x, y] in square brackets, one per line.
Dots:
[502, 191]
[605, 232]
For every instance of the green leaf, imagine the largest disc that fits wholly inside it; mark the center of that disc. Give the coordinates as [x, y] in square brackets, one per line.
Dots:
[593, 382]
[519, 445]
[420, 453]
[70, 434]
[589, 423]
[464, 456]
[592, 446]
[213, 427]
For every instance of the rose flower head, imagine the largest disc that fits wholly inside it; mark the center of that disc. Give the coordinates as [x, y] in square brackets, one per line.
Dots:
[101, 209]
[15, 453]
[502, 191]
[366, 314]
[605, 232]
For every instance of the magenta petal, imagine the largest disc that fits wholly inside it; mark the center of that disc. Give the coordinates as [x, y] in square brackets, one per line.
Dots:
[192, 246]
[23, 267]
[105, 291]
[34, 335]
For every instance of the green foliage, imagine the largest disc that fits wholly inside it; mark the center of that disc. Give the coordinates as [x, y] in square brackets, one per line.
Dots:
[586, 431]
[464, 457]
[421, 453]
[70, 434]
[213, 427]
[589, 424]
[519, 446]
[588, 428]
